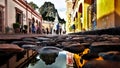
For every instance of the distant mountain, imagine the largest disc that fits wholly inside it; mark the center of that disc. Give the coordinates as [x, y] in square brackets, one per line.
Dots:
[49, 12]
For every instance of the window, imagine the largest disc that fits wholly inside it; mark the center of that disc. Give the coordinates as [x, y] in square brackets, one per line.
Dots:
[19, 16]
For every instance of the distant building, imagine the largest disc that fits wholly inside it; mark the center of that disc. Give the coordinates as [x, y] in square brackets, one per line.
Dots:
[69, 4]
[17, 11]
[47, 24]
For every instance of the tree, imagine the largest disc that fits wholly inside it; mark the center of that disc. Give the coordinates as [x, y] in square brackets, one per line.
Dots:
[33, 5]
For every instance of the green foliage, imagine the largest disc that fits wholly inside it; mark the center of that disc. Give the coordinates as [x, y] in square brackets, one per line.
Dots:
[70, 28]
[33, 5]
[49, 18]
[25, 26]
[62, 21]
[16, 25]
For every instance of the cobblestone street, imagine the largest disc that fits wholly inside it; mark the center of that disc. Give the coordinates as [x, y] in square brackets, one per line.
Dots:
[91, 48]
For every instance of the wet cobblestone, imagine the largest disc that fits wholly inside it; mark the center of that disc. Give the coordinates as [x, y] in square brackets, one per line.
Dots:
[72, 43]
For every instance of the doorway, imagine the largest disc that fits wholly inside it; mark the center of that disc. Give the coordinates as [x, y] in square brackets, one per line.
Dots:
[1, 19]
[19, 16]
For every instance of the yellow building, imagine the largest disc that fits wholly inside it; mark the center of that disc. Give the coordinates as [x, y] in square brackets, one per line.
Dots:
[79, 15]
[108, 14]
[88, 15]
[69, 5]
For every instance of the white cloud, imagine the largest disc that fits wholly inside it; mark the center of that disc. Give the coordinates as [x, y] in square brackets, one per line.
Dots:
[59, 5]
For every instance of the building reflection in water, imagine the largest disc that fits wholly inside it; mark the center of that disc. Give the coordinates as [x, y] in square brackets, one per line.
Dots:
[49, 58]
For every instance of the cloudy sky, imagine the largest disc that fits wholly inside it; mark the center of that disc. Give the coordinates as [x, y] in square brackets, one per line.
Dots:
[60, 5]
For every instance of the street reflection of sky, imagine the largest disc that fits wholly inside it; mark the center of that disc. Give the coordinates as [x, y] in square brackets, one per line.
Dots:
[60, 62]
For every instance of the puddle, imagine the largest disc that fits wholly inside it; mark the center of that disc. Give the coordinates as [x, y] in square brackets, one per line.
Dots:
[60, 62]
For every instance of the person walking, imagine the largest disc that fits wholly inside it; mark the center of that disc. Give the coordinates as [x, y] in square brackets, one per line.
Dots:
[73, 27]
[57, 26]
[33, 28]
[60, 30]
[47, 30]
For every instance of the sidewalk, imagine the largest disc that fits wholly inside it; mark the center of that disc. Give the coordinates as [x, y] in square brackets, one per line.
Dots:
[17, 36]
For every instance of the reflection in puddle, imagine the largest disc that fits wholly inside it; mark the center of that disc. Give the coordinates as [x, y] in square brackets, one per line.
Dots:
[48, 58]
[60, 61]
[51, 57]
[49, 54]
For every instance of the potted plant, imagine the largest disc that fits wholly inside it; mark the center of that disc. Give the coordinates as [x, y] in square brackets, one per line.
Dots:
[7, 29]
[25, 27]
[16, 27]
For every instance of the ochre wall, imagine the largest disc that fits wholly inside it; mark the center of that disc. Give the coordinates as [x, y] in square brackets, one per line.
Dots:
[105, 14]
[117, 6]
[104, 7]
[117, 13]
[69, 5]
[79, 22]
[106, 22]
[76, 26]
[85, 25]
[68, 23]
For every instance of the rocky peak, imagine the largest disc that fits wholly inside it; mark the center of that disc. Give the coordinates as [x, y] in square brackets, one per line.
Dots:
[49, 12]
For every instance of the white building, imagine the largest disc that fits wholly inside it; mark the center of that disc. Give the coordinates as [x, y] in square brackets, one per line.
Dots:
[17, 11]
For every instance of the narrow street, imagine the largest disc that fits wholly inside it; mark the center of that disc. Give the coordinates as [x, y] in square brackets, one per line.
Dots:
[59, 33]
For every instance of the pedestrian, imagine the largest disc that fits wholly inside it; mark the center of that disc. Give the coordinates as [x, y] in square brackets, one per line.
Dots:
[47, 30]
[38, 30]
[54, 31]
[43, 31]
[57, 26]
[73, 27]
[33, 28]
[21, 28]
[60, 30]
[94, 24]
[64, 32]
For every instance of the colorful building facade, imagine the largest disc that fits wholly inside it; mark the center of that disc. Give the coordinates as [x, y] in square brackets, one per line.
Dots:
[69, 5]
[17, 11]
[108, 14]
[89, 15]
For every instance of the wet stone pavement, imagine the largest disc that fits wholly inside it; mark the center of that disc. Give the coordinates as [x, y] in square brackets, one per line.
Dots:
[52, 51]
